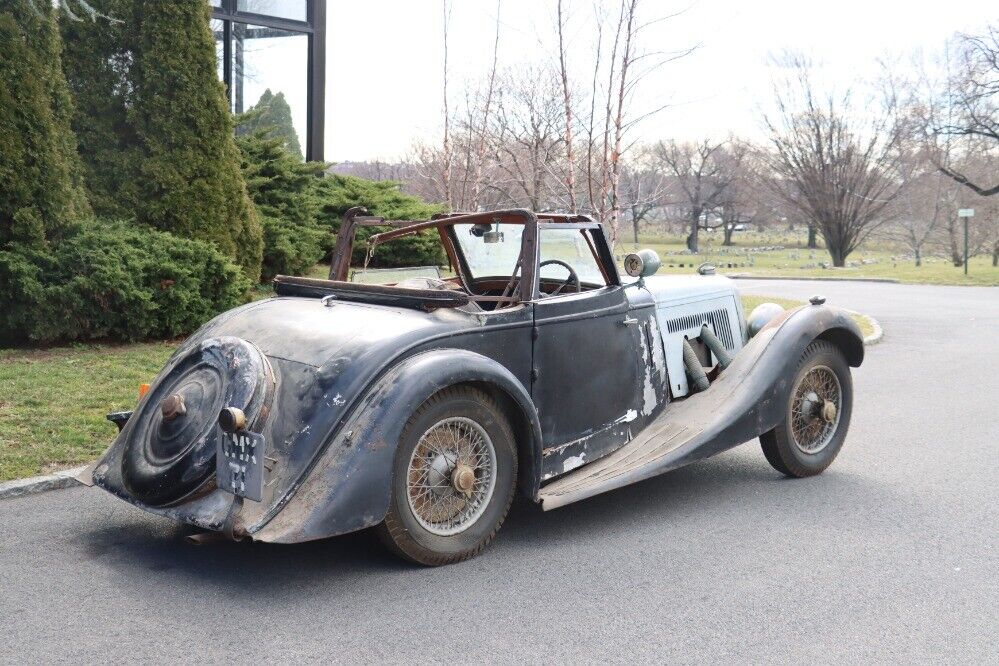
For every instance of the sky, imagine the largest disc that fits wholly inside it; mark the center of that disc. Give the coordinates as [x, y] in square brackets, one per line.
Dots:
[385, 58]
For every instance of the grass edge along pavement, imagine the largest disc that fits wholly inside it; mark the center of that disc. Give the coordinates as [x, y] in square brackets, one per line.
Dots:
[53, 402]
[783, 255]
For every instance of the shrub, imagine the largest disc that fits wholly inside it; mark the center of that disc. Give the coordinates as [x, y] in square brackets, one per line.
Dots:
[156, 131]
[281, 187]
[40, 173]
[272, 113]
[338, 193]
[189, 178]
[113, 280]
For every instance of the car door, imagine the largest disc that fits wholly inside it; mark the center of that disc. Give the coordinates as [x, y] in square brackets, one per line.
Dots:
[585, 378]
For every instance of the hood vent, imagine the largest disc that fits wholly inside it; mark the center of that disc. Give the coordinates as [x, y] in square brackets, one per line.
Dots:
[718, 319]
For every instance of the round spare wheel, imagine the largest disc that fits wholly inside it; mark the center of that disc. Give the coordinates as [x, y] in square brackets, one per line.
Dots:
[170, 453]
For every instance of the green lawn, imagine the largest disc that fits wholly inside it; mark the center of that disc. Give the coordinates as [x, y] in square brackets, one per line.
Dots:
[750, 302]
[53, 401]
[793, 261]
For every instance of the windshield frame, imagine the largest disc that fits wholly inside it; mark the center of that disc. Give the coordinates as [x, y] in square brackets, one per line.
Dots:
[529, 283]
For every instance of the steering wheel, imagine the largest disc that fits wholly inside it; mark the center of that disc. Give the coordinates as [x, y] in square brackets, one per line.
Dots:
[572, 279]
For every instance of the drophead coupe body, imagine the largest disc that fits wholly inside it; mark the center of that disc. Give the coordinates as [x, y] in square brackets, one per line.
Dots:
[419, 400]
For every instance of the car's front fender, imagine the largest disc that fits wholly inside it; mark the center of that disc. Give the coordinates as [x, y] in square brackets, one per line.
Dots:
[349, 485]
[749, 398]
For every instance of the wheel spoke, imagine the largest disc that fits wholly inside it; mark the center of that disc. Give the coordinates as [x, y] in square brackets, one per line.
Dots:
[434, 497]
[810, 430]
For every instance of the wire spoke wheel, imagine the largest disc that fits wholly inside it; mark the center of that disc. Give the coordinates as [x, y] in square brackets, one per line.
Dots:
[451, 475]
[815, 409]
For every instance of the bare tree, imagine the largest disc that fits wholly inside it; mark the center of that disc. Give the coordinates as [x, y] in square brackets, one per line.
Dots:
[570, 159]
[699, 174]
[642, 190]
[927, 205]
[448, 155]
[526, 138]
[481, 141]
[610, 123]
[838, 165]
[972, 103]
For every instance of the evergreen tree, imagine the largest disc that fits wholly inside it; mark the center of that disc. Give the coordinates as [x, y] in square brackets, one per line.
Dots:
[189, 180]
[272, 112]
[337, 193]
[41, 190]
[98, 61]
[282, 189]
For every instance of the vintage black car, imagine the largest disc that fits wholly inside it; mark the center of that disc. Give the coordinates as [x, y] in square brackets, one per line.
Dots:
[422, 405]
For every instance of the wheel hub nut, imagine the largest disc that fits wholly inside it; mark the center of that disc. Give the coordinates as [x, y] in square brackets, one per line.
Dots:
[463, 479]
[172, 407]
[829, 411]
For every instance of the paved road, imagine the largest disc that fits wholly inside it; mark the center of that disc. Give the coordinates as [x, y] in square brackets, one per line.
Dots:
[891, 555]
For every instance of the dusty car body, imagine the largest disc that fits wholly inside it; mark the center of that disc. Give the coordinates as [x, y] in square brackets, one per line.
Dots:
[281, 420]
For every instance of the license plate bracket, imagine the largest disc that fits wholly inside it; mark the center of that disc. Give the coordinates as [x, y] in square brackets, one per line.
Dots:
[239, 467]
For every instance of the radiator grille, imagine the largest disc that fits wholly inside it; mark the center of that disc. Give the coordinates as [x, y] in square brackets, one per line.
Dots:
[717, 318]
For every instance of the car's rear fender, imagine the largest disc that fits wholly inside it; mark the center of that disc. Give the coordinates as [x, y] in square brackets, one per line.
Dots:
[349, 486]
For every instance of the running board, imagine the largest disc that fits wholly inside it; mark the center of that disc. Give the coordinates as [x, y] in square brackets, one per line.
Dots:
[747, 400]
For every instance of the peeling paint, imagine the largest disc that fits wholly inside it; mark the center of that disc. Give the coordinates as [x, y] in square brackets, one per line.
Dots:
[572, 463]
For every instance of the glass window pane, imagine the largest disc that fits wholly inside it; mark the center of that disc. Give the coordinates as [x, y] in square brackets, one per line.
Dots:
[215, 3]
[289, 9]
[570, 246]
[490, 259]
[270, 71]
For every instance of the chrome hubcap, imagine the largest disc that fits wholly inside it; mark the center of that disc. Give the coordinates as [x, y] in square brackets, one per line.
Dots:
[451, 476]
[815, 409]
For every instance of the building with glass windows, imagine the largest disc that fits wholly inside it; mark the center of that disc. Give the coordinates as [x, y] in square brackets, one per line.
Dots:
[277, 46]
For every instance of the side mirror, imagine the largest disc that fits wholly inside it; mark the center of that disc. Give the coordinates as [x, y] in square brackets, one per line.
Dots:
[642, 264]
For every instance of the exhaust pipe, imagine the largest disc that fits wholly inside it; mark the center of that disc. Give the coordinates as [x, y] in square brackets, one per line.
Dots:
[692, 364]
[712, 342]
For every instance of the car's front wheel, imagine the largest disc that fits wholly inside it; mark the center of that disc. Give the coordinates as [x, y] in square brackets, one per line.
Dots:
[817, 414]
[453, 479]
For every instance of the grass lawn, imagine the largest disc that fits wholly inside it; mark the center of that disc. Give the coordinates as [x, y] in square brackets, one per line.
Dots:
[795, 261]
[750, 302]
[53, 401]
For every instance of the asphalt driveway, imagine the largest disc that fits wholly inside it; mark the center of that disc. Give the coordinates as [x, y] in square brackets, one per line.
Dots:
[891, 555]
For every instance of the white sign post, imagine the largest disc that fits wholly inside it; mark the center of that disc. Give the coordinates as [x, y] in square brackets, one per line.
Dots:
[965, 213]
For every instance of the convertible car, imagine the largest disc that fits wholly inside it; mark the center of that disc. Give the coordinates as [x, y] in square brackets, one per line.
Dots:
[420, 400]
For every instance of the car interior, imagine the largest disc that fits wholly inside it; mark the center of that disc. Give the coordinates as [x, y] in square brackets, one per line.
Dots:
[485, 264]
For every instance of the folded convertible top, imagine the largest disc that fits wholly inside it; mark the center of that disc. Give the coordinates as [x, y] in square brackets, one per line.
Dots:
[423, 299]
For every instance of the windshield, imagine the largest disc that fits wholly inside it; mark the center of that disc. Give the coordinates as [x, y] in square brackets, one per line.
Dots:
[570, 246]
[500, 258]
[490, 259]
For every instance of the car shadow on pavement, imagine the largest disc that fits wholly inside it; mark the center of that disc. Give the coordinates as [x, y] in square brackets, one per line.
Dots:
[140, 546]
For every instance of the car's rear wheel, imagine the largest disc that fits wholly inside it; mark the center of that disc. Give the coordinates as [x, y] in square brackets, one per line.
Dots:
[817, 414]
[453, 478]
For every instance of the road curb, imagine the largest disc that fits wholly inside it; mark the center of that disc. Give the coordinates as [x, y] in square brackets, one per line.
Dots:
[748, 276]
[879, 333]
[40, 484]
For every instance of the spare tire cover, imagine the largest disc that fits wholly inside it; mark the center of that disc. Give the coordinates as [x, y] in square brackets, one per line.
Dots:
[166, 460]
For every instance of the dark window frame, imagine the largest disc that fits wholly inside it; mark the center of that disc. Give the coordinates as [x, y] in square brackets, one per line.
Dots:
[315, 28]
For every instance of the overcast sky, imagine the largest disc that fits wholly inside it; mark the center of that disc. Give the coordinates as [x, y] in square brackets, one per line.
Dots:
[384, 58]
